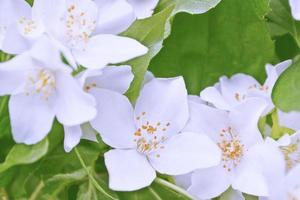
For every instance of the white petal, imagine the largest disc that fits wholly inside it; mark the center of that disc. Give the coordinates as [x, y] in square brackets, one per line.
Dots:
[290, 119]
[234, 90]
[117, 79]
[209, 183]
[207, 120]
[72, 137]
[13, 74]
[11, 11]
[184, 181]
[88, 132]
[185, 152]
[46, 53]
[143, 8]
[128, 170]
[281, 67]
[73, 105]
[31, 118]
[48, 11]
[14, 42]
[295, 7]
[163, 101]
[115, 119]
[107, 49]
[244, 119]
[213, 95]
[115, 16]
[262, 170]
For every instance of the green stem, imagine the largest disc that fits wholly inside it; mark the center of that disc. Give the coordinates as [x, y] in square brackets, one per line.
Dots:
[37, 190]
[91, 177]
[173, 187]
[276, 133]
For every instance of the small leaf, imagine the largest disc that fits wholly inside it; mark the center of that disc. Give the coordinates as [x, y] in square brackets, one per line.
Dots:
[24, 154]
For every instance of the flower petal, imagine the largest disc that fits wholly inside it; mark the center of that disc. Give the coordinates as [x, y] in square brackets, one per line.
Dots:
[143, 8]
[107, 49]
[234, 89]
[13, 74]
[117, 79]
[163, 101]
[128, 170]
[185, 152]
[71, 101]
[244, 119]
[262, 170]
[72, 137]
[213, 95]
[115, 119]
[209, 183]
[207, 120]
[115, 16]
[184, 181]
[14, 42]
[31, 118]
[11, 11]
[295, 7]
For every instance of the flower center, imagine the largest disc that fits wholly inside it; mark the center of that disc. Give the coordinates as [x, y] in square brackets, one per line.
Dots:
[29, 27]
[78, 26]
[232, 149]
[41, 82]
[239, 97]
[263, 88]
[291, 154]
[150, 136]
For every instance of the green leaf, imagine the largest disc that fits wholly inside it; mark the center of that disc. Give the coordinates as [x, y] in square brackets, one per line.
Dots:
[24, 154]
[150, 32]
[231, 38]
[281, 20]
[87, 191]
[286, 93]
[59, 182]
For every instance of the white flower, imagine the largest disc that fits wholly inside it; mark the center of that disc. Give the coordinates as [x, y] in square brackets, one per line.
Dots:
[295, 7]
[235, 132]
[147, 138]
[41, 88]
[289, 145]
[111, 78]
[20, 26]
[231, 92]
[266, 158]
[143, 8]
[286, 188]
[84, 30]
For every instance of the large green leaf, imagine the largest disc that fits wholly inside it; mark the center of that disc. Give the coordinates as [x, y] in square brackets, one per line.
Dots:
[286, 93]
[231, 38]
[152, 31]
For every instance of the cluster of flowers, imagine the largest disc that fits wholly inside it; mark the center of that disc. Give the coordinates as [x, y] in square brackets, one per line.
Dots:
[209, 142]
